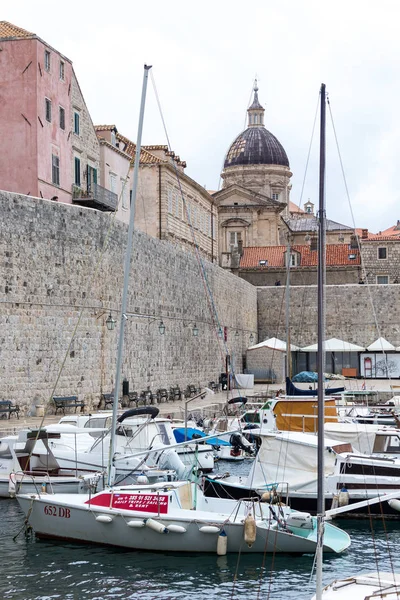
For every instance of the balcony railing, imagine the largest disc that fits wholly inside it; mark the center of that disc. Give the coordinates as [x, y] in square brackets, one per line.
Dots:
[95, 197]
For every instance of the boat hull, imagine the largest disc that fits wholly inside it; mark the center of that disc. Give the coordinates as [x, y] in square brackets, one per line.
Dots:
[72, 518]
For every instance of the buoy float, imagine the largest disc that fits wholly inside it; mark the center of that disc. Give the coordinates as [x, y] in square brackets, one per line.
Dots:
[395, 504]
[222, 543]
[156, 526]
[176, 528]
[250, 530]
[135, 524]
[209, 529]
[104, 518]
[12, 485]
[266, 497]
[344, 497]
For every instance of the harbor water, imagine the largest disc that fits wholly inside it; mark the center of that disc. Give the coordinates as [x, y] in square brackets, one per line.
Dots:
[33, 569]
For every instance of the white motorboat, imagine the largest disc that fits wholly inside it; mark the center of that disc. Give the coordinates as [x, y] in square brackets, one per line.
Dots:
[368, 586]
[139, 517]
[287, 463]
[24, 469]
[138, 429]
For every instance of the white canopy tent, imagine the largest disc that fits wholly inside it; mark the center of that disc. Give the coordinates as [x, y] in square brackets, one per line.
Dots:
[380, 345]
[334, 345]
[274, 344]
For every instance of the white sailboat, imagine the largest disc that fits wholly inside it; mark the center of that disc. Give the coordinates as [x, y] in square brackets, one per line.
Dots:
[140, 516]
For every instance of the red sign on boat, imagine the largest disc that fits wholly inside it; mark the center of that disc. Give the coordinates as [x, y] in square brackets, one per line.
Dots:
[141, 502]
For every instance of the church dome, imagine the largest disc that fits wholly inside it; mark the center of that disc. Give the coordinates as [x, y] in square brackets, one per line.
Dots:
[256, 145]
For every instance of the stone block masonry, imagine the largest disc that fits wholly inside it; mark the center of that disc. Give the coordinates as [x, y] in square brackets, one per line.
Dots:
[354, 313]
[61, 273]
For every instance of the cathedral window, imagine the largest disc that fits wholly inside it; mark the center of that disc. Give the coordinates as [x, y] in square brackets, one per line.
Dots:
[275, 195]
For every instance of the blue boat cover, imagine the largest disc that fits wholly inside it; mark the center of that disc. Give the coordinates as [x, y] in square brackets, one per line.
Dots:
[305, 377]
[179, 433]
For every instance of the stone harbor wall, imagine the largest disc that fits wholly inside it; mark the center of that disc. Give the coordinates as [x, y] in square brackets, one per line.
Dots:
[354, 313]
[61, 274]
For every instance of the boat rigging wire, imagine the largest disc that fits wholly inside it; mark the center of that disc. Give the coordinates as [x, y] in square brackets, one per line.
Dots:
[208, 293]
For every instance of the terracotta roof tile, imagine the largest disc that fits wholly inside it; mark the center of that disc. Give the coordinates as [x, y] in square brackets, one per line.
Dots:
[336, 255]
[156, 147]
[145, 157]
[105, 127]
[8, 30]
[294, 208]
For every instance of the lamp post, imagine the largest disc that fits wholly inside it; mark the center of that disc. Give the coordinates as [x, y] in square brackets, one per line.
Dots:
[161, 328]
[195, 330]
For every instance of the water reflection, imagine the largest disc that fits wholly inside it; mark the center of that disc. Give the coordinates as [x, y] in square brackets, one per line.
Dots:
[43, 570]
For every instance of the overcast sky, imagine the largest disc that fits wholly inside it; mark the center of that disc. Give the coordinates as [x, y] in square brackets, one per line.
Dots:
[205, 56]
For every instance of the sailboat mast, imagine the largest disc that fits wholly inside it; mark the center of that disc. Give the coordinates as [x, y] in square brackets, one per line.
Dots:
[287, 299]
[111, 468]
[321, 349]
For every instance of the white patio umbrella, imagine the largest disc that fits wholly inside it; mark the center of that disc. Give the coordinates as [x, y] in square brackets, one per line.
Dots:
[334, 345]
[275, 344]
[380, 345]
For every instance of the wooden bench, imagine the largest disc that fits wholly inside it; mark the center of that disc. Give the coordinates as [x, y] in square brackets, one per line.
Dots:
[63, 402]
[7, 407]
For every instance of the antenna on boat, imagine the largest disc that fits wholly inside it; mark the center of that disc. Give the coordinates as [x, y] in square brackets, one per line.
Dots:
[111, 468]
[321, 349]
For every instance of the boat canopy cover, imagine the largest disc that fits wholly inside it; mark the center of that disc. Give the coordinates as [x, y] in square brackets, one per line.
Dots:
[334, 345]
[380, 345]
[361, 437]
[152, 411]
[300, 414]
[179, 433]
[305, 377]
[292, 457]
[274, 344]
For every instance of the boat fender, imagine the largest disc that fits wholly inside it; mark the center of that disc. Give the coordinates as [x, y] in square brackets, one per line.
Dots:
[250, 530]
[12, 485]
[104, 518]
[266, 497]
[344, 497]
[394, 503]
[156, 526]
[209, 529]
[222, 543]
[135, 524]
[176, 528]
[335, 501]
[142, 478]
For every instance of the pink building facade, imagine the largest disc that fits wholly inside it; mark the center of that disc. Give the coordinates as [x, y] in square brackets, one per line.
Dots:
[48, 147]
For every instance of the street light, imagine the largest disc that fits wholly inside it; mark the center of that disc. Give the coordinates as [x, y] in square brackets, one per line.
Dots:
[161, 328]
[220, 332]
[251, 338]
[110, 322]
[237, 334]
[195, 330]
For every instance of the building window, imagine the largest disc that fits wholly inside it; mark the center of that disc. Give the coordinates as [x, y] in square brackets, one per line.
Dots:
[47, 60]
[382, 253]
[48, 109]
[113, 138]
[113, 183]
[77, 171]
[55, 169]
[382, 279]
[234, 238]
[125, 195]
[170, 202]
[177, 205]
[293, 260]
[76, 123]
[62, 70]
[62, 118]
[275, 195]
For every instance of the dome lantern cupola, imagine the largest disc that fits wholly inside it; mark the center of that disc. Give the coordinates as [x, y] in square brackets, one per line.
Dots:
[256, 111]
